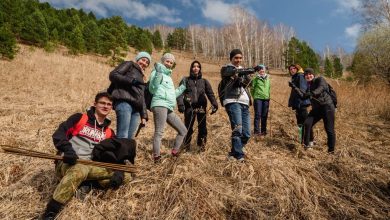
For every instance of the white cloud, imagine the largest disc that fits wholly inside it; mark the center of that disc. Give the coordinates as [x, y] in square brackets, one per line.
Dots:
[217, 11]
[125, 8]
[352, 32]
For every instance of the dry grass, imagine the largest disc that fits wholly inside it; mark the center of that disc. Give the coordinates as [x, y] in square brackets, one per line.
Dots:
[278, 181]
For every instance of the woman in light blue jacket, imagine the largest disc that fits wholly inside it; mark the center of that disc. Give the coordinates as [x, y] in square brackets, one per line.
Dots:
[163, 104]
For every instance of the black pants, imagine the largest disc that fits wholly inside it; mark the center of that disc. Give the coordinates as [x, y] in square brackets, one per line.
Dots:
[190, 115]
[261, 114]
[326, 113]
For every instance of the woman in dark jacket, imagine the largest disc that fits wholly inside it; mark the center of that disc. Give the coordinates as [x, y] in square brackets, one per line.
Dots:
[193, 104]
[127, 89]
[322, 108]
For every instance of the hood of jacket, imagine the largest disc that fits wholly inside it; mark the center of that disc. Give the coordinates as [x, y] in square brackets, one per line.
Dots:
[159, 67]
[92, 118]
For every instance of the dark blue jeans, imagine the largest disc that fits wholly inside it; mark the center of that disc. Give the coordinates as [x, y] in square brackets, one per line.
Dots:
[240, 121]
[127, 120]
[261, 114]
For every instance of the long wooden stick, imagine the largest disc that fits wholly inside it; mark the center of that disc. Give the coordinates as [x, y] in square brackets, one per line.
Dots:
[26, 152]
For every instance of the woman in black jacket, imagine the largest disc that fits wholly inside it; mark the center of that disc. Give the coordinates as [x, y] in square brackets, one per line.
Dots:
[127, 89]
[193, 104]
[322, 108]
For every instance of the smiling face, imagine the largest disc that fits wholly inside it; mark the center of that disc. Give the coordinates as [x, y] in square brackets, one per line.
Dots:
[309, 77]
[293, 70]
[143, 63]
[103, 106]
[168, 63]
[236, 60]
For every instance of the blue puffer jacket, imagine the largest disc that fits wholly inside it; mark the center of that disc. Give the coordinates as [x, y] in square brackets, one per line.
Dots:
[295, 101]
[162, 87]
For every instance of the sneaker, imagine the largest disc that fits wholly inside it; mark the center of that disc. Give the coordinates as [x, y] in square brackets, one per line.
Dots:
[175, 153]
[307, 147]
[241, 160]
[312, 143]
[231, 158]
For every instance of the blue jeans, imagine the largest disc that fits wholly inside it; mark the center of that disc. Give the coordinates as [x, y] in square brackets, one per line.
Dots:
[261, 114]
[127, 120]
[240, 121]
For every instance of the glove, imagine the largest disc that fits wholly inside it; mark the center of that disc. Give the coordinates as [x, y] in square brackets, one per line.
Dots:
[117, 179]
[307, 95]
[214, 109]
[291, 84]
[181, 108]
[70, 157]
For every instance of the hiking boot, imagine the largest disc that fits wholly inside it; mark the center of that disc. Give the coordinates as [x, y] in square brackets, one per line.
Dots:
[231, 158]
[52, 210]
[83, 191]
[312, 143]
[307, 147]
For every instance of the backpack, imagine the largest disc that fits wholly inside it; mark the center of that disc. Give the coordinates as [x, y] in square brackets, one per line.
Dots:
[221, 87]
[332, 94]
[80, 124]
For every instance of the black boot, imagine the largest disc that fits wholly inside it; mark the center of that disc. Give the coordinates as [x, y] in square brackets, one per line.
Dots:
[52, 210]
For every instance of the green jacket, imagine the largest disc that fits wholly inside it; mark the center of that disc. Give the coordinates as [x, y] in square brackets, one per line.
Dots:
[261, 87]
[162, 87]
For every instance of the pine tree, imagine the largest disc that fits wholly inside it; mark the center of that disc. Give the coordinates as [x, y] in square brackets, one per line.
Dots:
[338, 67]
[157, 41]
[301, 53]
[76, 41]
[8, 46]
[91, 36]
[35, 29]
[328, 68]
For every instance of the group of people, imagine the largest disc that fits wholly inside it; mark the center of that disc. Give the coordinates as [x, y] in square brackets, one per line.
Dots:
[76, 137]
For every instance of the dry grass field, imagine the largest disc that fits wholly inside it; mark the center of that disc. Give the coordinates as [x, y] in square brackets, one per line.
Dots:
[279, 180]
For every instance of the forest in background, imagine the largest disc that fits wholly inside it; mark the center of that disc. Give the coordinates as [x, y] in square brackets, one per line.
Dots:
[39, 24]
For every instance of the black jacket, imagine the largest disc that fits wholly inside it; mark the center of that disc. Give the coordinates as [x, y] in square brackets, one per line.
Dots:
[127, 84]
[195, 94]
[232, 86]
[320, 95]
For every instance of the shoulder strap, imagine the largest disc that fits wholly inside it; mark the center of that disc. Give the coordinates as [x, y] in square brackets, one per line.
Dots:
[77, 127]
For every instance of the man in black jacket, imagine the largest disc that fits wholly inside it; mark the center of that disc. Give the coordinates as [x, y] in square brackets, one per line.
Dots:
[75, 138]
[193, 104]
[236, 99]
[322, 108]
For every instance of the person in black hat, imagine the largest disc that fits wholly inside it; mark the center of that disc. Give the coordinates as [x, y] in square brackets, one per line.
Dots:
[236, 98]
[322, 108]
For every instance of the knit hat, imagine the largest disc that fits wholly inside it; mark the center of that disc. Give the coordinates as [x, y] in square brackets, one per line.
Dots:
[309, 70]
[234, 52]
[167, 56]
[142, 55]
[260, 67]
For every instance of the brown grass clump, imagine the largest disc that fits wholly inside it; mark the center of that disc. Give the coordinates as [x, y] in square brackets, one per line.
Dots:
[279, 180]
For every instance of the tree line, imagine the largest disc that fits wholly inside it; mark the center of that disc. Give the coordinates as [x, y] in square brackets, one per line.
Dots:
[39, 24]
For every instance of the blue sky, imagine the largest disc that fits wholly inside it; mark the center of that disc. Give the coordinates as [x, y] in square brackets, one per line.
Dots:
[318, 22]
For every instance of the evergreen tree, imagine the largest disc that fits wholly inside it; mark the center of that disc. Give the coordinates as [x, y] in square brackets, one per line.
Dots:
[76, 41]
[338, 67]
[143, 42]
[8, 46]
[328, 68]
[35, 29]
[177, 39]
[12, 13]
[157, 40]
[91, 36]
[301, 53]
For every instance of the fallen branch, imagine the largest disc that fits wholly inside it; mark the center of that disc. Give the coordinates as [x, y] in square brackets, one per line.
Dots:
[30, 153]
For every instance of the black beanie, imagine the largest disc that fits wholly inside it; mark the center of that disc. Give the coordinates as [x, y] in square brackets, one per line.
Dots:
[309, 70]
[234, 52]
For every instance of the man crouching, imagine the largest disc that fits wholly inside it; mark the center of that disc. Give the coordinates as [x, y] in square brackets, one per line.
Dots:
[75, 139]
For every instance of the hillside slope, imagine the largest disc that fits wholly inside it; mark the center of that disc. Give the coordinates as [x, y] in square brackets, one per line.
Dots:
[280, 180]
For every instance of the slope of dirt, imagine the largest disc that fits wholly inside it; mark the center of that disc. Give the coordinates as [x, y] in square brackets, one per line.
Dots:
[279, 180]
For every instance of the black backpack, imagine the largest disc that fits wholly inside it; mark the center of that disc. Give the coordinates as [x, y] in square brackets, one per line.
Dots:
[221, 89]
[333, 95]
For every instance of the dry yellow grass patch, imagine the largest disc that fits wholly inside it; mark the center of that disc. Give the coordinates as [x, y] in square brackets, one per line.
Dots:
[279, 180]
